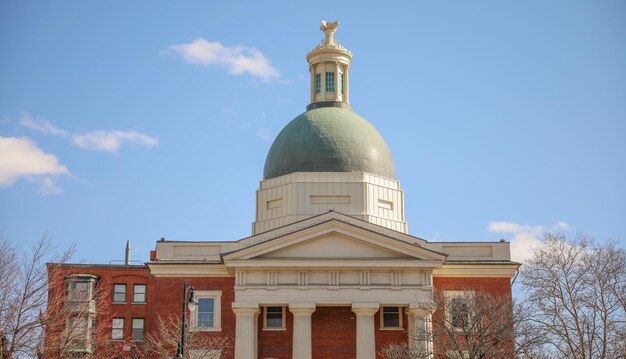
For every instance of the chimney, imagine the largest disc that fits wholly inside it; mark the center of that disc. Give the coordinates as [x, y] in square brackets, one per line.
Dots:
[127, 257]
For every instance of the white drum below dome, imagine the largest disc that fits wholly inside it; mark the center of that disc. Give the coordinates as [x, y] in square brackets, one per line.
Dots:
[297, 196]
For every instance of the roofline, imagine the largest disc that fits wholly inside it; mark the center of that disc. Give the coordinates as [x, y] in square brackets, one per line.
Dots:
[444, 255]
[498, 241]
[87, 265]
[343, 214]
[481, 261]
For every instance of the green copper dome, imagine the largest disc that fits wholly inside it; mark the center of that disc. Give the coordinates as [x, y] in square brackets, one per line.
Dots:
[329, 139]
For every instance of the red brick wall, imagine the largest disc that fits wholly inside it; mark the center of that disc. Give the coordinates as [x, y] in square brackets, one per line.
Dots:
[276, 343]
[333, 328]
[386, 337]
[168, 292]
[495, 286]
[108, 275]
[334, 333]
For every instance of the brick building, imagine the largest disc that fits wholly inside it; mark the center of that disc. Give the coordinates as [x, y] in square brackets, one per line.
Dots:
[329, 271]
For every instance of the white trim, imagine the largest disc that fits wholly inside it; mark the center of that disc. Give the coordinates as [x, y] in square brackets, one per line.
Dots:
[477, 270]
[217, 310]
[262, 244]
[303, 263]
[283, 321]
[400, 314]
[188, 270]
[113, 328]
[451, 294]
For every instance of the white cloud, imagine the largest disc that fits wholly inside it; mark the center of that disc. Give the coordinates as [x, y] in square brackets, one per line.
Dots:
[41, 125]
[525, 237]
[100, 140]
[20, 157]
[265, 135]
[561, 226]
[48, 187]
[110, 141]
[237, 59]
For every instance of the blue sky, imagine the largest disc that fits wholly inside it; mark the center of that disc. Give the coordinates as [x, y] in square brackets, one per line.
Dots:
[140, 120]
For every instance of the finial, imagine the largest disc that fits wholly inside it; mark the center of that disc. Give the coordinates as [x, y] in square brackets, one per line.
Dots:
[329, 29]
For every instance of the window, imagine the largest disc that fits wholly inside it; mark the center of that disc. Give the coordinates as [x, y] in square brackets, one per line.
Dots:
[274, 318]
[458, 309]
[206, 313]
[318, 83]
[391, 317]
[79, 291]
[207, 316]
[139, 293]
[138, 329]
[117, 329]
[330, 81]
[80, 287]
[459, 312]
[119, 293]
[78, 332]
[341, 83]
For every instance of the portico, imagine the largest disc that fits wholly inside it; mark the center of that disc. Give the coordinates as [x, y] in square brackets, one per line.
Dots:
[364, 313]
[331, 260]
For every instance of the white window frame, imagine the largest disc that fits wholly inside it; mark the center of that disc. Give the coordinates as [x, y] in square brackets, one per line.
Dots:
[145, 293]
[382, 317]
[74, 335]
[125, 293]
[143, 330]
[113, 328]
[283, 320]
[205, 353]
[71, 288]
[451, 294]
[217, 310]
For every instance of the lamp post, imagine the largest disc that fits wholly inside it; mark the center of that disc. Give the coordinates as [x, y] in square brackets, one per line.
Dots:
[187, 303]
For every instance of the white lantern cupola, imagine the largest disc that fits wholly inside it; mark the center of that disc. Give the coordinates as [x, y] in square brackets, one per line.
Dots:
[329, 65]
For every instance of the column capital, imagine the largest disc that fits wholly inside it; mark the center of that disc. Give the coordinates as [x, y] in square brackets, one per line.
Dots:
[245, 308]
[302, 308]
[365, 308]
[421, 308]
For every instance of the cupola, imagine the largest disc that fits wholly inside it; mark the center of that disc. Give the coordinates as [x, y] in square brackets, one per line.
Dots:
[329, 65]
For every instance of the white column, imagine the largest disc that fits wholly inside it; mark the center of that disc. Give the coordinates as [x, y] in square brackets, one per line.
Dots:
[337, 80]
[302, 329]
[420, 329]
[346, 93]
[312, 71]
[365, 331]
[323, 76]
[246, 330]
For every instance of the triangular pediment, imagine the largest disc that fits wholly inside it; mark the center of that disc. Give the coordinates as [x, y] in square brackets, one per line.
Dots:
[330, 242]
[336, 246]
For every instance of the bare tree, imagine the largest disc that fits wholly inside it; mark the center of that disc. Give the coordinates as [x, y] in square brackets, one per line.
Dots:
[23, 293]
[576, 290]
[475, 325]
[161, 343]
[78, 316]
